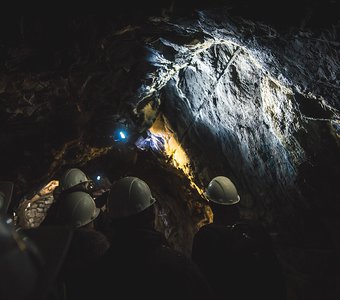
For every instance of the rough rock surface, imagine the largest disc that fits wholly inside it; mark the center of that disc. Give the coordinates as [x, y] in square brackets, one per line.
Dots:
[241, 97]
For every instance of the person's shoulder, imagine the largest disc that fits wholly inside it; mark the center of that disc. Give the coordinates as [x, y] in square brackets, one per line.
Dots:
[207, 228]
[213, 230]
[253, 229]
[91, 240]
[172, 257]
[90, 235]
[254, 224]
[176, 260]
[210, 236]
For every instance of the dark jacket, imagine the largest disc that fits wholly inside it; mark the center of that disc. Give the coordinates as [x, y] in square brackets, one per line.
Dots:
[86, 248]
[239, 261]
[140, 265]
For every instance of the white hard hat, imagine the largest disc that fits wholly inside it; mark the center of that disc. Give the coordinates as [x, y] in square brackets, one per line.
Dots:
[71, 178]
[222, 191]
[129, 196]
[77, 209]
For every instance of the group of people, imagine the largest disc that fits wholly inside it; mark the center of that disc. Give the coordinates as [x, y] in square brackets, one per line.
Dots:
[82, 251]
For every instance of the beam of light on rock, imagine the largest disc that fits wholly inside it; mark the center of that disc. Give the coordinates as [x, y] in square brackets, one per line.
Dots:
[173, 150]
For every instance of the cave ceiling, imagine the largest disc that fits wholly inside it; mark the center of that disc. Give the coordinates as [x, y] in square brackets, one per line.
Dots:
[199, 91]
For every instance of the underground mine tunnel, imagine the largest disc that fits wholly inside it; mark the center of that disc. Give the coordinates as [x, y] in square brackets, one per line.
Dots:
[177, 95]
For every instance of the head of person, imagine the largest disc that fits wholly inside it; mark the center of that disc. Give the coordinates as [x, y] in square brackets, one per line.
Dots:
[223, 197]
[77, 209]
[72, 180]
[130, 203]
[21, 264]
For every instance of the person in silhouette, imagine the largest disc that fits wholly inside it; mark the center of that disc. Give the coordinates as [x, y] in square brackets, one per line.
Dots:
[139, 263]
[77, 211]
[71, 180]
[234, 254]
[21, 263]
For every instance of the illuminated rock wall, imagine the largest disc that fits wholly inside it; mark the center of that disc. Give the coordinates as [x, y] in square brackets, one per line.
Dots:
[243, 107]
[237, 97]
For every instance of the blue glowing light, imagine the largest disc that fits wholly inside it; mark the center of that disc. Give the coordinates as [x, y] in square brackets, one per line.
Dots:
[122, 135]
[98, 177]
